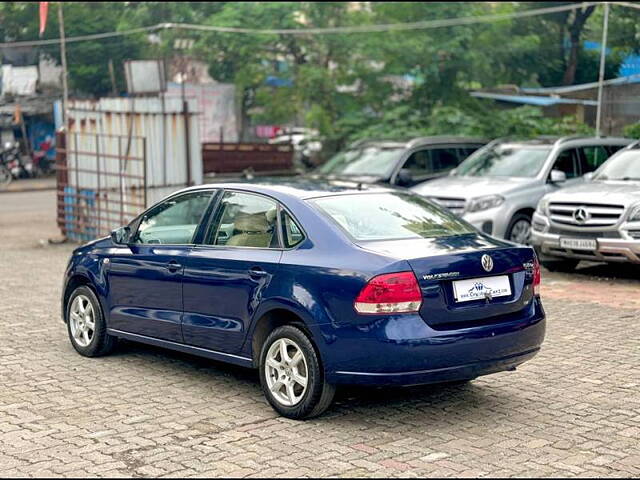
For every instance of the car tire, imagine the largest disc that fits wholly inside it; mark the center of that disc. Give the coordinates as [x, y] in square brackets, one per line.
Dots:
[562, 265]
[280, 374]
[86, 326]
[519, 227]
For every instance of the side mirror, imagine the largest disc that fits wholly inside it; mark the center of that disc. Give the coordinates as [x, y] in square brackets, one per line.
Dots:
[558, 176]
[120, 236]
[588, 176]
[404, 177]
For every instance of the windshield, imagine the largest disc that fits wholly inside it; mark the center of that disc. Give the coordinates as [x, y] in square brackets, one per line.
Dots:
[504, 161]
[388, 216]
[624, 166]
[366, 161]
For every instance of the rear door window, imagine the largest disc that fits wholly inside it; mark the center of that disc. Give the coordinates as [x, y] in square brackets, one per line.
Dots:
[425, 163]
[444, 159]
[245, 220]
[464, 152]
[592, 157]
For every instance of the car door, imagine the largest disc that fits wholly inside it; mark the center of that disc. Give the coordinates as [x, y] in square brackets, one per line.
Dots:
[145, 277]
[225, 276]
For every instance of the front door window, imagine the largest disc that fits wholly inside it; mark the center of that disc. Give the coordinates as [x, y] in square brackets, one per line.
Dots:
[174, 221]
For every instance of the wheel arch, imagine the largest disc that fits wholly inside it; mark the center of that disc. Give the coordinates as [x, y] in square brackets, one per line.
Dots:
[528, 211]
[525, 210]
[75, 281]
[273, 316]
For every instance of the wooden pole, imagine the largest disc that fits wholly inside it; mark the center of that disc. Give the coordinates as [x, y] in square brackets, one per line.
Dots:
[112, 76]
[63, 57]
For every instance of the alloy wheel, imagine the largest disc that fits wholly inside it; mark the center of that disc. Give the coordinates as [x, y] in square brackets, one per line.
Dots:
[82, 320]
[286, 372]
[521, 232]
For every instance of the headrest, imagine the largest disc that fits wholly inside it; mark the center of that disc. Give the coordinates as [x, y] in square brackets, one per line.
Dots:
[252, 223]
[271, 215]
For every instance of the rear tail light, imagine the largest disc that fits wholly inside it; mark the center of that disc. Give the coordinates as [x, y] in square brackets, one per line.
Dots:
[390, 293]
[536, 276]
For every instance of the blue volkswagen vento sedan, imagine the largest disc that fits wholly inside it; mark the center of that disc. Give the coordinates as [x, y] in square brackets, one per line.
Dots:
[315, 285]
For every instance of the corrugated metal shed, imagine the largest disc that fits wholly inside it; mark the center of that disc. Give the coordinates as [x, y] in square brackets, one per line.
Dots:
[159, 121]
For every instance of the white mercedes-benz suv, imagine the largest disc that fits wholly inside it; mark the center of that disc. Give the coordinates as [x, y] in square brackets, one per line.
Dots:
[498, 187]
[598, 220]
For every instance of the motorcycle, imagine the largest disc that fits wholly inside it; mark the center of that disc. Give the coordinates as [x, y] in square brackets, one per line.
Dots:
[41, 164]
[16, 165]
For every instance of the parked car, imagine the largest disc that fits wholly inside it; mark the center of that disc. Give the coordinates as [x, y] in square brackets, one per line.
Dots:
[398, 163]
[306, 143]
[598, 220]
[498, 188]
[298, 281]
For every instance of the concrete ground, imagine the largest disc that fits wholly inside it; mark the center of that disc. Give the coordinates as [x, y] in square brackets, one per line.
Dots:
[574, 410]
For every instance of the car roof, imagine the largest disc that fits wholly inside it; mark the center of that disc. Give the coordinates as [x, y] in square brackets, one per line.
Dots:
[301, 189]
[413, 142]
[573, 139]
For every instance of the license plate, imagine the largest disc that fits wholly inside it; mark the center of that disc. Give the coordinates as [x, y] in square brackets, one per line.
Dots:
[578, 243]
[481, 288]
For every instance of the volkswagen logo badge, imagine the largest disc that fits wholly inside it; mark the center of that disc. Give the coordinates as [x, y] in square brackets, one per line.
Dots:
[487, 263]
[580, 215]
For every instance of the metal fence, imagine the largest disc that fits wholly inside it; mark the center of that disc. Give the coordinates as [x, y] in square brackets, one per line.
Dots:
[101, 184]
[120, 155]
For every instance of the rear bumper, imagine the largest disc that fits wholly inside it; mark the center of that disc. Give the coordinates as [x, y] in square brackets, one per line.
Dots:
[607, 250]
[404, 350]
[438, 375]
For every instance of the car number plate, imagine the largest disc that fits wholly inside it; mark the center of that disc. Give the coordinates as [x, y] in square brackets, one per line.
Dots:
[578, 243]
[481, 288]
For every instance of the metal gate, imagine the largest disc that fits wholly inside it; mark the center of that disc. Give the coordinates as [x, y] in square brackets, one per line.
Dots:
[102, 183]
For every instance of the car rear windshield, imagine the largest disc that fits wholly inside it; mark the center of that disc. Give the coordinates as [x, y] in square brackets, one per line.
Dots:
[624, 166]
[504, 161]
[389, 216]
[375, 161]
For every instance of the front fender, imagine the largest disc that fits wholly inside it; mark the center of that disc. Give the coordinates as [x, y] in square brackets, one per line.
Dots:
[89, 269]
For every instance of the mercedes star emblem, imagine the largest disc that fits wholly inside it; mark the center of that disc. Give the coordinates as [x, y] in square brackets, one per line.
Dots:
[580, 215]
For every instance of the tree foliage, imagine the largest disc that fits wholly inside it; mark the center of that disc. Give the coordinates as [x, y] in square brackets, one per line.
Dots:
[397, 83]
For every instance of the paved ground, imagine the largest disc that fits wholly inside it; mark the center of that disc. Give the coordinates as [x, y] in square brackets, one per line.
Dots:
[30, 184]
[573, 410]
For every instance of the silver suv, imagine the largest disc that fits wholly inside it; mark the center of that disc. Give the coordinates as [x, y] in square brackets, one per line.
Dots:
[597, 220]
[498, 187]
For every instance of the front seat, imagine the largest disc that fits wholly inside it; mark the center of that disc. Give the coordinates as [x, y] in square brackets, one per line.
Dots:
[254, 231]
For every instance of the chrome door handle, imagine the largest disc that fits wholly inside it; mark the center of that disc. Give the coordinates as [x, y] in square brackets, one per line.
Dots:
[257, 272]
[173, 266]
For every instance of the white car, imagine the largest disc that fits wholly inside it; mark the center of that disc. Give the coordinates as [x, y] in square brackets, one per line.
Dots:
[598, 220]
[498, 187]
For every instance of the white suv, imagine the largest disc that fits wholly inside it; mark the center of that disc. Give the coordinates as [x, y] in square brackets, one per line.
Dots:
[498, 187]
[598, 220]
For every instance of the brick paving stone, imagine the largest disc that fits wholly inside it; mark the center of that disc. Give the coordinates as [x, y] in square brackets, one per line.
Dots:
[574, 410]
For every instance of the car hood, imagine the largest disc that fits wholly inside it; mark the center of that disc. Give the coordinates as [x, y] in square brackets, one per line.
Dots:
[606, 192]
[470, 187]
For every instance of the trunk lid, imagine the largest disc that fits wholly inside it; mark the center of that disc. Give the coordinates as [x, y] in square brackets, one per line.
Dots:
[438, 263]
